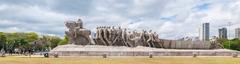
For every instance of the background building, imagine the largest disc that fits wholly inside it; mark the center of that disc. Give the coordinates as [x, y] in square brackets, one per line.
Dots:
[237, 33]
[222, 33]
[205, 33]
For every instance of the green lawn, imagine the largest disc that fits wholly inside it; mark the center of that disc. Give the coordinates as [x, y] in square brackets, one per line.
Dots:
[120, 60]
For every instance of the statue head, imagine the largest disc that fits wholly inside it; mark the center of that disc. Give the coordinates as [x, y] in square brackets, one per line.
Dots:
[150, 31]
[119, 27]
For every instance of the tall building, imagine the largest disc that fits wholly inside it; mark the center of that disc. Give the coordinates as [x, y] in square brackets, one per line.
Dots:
[237, 33]
[205, 31]
[222, 33]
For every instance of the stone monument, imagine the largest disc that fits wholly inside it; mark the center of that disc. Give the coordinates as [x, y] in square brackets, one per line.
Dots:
[77, 34]
[112, 41]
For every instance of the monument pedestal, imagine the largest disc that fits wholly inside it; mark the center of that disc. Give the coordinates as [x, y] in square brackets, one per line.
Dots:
[98, 50]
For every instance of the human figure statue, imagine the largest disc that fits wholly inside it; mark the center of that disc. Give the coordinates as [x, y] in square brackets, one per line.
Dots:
[101, 36]
[150, 39]
[118, 41]
[144, 38]
[137, 40]
[105, 35]
[97, 32]
[124, 38]
[113, 35]
[70, 33]
[110, 36]
[79, 23]
[129, 39]
[77, 34]
[157, 41]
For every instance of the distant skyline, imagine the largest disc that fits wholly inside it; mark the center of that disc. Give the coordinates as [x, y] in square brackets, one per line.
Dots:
[171, 19]
[205, 32]
[222, 33]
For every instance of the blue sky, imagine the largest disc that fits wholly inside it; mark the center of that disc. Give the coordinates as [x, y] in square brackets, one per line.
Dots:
[171, 19]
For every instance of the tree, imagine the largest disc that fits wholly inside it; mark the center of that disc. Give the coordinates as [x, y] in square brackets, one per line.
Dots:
[10, 46]
[31, 36]
[20, 40]
[3, 40]
[21, 44]
[28, 41]
[53, 40]
[46, 42]
[235, 44]
[223, 42]
[64, 41]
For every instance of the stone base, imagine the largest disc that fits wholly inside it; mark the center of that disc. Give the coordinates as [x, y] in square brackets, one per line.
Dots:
[97, 50]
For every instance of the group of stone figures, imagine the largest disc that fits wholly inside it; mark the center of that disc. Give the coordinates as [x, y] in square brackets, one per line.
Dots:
[111, 36]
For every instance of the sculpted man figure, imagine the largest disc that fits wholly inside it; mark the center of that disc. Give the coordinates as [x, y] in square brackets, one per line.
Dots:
[113, 35]
[105, 35]
[150, 39]
[110, 35]
[124, 38]
[118, 40]
[97, 32]
[71, 32]
[157, 41]
[77, 34]
[144, 38]
[101, 32]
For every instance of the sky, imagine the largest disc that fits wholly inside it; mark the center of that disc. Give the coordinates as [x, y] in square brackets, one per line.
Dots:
[171, 19]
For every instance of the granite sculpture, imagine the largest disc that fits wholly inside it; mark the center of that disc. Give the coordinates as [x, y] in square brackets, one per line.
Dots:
[77, 34]
[118, 36]
[111, 36]
[118, 41]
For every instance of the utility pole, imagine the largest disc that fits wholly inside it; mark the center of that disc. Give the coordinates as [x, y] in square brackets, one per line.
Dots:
[229, 42]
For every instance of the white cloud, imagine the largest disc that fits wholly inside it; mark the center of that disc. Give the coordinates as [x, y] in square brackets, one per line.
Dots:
[183, 16]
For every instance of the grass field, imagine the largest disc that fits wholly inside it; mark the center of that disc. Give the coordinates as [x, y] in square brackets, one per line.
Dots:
[120, 60]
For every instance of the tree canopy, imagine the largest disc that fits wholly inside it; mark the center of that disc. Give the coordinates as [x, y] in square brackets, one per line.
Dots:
[233, 44]
[29, 41]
